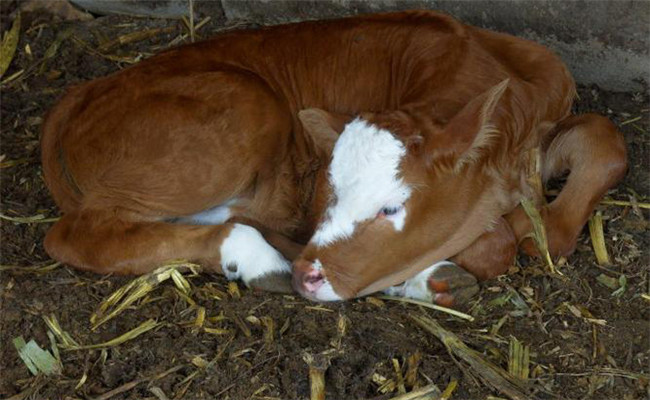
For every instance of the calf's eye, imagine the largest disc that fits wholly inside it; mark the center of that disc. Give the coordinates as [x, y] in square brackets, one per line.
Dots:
[388, 211]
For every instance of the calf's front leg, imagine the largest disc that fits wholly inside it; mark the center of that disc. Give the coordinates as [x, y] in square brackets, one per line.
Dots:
[102, 242]
[452, 283]
[592, 150]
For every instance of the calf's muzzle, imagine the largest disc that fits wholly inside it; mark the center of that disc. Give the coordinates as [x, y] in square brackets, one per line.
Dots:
[306, 278]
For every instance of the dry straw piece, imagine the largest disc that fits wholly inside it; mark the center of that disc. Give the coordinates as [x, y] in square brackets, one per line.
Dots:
[598, 238]
[9, 44]
[413, 363]
[539, 232]
[65, 340]
[134, 37]
[429, 392]
[68, 343]
[233, 290]
[518, 359]
[139, 287]
[534, 173]
[398, 374]
[623, 203]
[431, 306]
[506, 383]
[449, 390]
[13, 163]
[34, 269]
[318, 364]
[34, 219]
[530, 206]
[130, 335]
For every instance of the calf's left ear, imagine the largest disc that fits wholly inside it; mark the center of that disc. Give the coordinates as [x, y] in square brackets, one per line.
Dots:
[322, 127]
[470, 130]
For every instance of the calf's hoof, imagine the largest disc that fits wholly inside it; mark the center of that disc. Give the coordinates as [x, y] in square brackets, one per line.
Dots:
[278, 282]
[443, 283]
[452, 285]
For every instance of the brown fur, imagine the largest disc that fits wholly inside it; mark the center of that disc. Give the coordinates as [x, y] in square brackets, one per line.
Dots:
[193, 127]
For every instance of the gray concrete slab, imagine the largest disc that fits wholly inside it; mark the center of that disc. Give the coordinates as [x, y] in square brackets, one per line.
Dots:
[149, 8]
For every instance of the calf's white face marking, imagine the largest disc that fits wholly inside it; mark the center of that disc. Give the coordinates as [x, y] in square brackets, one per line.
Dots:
[364, 175]
[247, 256]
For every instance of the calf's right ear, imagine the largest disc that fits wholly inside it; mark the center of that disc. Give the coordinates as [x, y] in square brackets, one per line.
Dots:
[471, 130]
[322, 127]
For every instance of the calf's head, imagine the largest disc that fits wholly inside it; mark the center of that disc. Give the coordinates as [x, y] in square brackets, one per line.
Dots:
[398, 198]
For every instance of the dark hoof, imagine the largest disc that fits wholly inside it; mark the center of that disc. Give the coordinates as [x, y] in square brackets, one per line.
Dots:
[451, 285]
[279, 282]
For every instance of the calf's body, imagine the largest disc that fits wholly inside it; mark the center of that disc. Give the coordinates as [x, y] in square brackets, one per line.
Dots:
[204, 152]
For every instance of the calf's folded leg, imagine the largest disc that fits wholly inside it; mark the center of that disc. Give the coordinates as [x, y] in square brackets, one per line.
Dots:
[102, 242]
[593, 151]
[454, 282]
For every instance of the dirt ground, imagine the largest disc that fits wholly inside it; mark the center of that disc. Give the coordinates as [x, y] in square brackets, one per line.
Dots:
[589, 337]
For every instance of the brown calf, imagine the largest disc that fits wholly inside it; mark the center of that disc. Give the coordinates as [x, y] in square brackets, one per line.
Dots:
[211, 151]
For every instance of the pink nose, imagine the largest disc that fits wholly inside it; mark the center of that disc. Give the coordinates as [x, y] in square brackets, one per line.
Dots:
[306, 279]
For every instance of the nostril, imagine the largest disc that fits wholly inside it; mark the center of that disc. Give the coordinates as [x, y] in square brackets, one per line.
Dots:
[313, 276]
[312, 280]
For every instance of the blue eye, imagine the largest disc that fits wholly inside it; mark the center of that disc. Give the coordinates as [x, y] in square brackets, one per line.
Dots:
[387, 211]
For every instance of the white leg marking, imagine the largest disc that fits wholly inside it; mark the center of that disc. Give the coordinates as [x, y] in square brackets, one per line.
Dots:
[247, 256]
[417, 287]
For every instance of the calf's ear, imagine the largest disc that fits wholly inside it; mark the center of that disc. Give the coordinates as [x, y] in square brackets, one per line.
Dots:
[322, 127]
[470, 130]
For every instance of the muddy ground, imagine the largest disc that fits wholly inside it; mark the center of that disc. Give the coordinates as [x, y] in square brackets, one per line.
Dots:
[587, 340]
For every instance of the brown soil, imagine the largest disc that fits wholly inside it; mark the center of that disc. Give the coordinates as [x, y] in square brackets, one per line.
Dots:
[570, 356]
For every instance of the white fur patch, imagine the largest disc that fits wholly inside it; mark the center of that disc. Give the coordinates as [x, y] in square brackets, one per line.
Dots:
[212, 216]
[246, 255]
[416, 287]
[364, 175]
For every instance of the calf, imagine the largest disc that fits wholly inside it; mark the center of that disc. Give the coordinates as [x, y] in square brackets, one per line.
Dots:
[367, 149]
